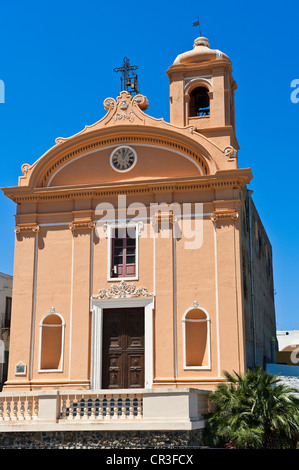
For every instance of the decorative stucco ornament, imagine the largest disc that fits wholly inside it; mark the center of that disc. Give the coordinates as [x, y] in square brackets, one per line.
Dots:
[230, 152]
[25, 168]
[122, 291]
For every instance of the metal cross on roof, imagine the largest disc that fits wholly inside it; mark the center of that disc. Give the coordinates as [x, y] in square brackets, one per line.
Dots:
[128, 80]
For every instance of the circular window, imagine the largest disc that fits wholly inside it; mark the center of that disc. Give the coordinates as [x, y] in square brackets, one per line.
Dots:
[123, 158]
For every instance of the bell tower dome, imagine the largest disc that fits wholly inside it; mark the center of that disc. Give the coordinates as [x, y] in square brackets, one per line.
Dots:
[202, 93]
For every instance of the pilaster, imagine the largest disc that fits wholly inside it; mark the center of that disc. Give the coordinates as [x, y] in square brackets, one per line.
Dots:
[82, 230]
[165, 320]
[23, 305]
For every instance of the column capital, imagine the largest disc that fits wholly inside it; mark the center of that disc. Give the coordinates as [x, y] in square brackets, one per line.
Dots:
[224, 214]
[82, 223]
[30, 227]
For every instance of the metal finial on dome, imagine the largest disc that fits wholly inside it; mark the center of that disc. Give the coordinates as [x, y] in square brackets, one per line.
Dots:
[201, 41]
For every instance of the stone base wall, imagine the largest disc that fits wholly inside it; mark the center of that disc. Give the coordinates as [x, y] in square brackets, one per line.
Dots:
[102, 440]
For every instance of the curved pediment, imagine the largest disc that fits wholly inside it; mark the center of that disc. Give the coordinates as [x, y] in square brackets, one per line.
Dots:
[163, 150]
[152, 162]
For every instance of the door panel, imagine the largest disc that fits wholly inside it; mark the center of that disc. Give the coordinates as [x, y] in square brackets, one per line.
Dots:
[123, 348]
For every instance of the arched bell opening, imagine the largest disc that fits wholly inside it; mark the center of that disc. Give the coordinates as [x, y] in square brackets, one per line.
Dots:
[199, 104]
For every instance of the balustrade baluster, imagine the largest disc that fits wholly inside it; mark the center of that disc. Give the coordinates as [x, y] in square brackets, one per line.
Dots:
[71, 408]
[92, 408]
[121, 408]
[35, 408]
[131, 408]
[14, 416]
[121, 412]
[21, 415]
[63, 408]
[138, 408]
[7, 410]
[85, 409]
[27, 410]
[77, 417]
[100, 409]
[108, 414]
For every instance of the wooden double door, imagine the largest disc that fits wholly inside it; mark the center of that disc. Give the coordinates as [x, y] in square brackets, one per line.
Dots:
[123, 348]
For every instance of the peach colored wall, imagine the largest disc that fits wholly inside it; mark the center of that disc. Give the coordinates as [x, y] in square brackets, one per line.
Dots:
[22, 304]
[53, 289]
[68, 287]
[195, 270]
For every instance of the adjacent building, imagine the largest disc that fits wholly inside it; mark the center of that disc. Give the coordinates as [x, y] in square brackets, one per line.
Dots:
[5, 315]
[288, 347]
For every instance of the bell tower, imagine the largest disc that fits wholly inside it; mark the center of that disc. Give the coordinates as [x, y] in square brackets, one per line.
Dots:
[202, 93]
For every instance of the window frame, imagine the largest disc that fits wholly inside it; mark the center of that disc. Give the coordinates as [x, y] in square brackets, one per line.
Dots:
[109, 232]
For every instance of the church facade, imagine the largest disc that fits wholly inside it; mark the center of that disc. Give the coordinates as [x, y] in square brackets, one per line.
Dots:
[140, 260]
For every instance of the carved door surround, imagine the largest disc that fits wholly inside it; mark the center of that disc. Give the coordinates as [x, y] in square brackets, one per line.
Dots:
[120, 296]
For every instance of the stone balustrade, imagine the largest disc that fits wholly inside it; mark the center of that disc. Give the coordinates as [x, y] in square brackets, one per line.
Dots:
[21, 407]
[99, 406]
[147, 409]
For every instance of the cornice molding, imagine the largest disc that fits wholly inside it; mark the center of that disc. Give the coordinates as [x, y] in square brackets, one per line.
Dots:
[222, 179]
[191, 68]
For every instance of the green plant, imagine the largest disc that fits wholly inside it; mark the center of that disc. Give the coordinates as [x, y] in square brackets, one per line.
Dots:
[254, 410]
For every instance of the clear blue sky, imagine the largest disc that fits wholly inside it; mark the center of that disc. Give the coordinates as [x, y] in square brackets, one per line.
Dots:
[57, 60]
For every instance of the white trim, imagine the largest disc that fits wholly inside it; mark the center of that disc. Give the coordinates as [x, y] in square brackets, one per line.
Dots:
[71, 304]
[62, 326]
[97, 307]
[154, 261]
[135, 145]
[175, 348]
[115, 225]
[52, 312]
[91, 265]
[33, 306]
[217, 299]
[54, 223]
[206, 320]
